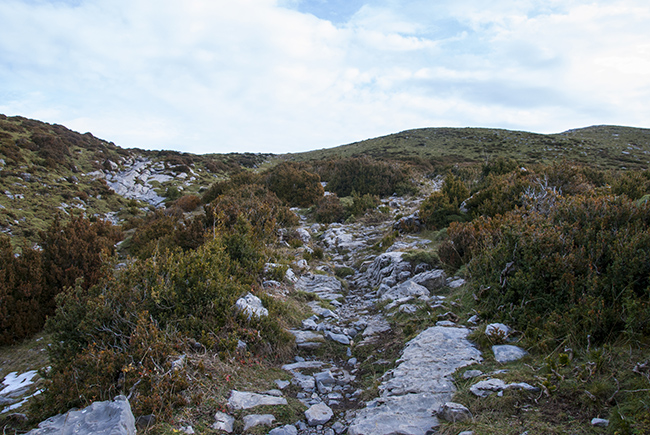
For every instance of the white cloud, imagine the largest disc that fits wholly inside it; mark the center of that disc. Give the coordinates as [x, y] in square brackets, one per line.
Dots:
[250, 75]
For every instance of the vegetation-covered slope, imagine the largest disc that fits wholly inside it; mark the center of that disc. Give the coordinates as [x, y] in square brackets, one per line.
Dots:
[610, 147]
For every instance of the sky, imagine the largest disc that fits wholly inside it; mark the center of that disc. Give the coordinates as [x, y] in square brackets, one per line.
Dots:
[283, 76]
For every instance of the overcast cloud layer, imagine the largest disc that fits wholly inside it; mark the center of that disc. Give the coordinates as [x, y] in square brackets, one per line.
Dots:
[292, 75]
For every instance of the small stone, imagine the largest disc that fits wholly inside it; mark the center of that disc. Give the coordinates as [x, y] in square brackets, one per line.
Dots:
[466, 432]
[244, 400]
[189, 430]
[599, 422]
[446, 323]
[282, 384]
[338, 427]
[352, 361]
[474, 320]
[339, 338]
[223, 422]
[469, 374]
[318, 414]
[250, 305]
[497, 330]
[506, 352]
[487, 387]
[253, 420]
[284, 430]
[454, 412]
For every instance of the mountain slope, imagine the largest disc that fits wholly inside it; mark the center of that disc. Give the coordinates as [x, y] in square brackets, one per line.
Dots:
[604, 146]
[48, 170]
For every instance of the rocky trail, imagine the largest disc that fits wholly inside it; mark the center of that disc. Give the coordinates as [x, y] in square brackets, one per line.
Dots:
[420, 384]
[348, 335]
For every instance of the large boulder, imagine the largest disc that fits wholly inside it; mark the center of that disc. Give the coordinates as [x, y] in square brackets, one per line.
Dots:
[100, 418]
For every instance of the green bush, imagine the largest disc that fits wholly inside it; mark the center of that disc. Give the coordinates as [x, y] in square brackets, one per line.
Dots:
[366, 176]
[296, 187]
[329, 209]
[580, 270]
[122, 334]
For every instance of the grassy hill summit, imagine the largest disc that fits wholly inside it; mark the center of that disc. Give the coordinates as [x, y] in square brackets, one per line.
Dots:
[603, 146]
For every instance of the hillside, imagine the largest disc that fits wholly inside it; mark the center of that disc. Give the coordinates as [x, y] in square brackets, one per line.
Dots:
[239, 294]
[48, 170]
[609, 147]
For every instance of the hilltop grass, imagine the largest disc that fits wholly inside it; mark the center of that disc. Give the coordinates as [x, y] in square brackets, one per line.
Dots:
[607, 147]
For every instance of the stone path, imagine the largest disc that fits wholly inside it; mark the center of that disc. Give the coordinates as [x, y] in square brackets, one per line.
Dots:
[412, 392]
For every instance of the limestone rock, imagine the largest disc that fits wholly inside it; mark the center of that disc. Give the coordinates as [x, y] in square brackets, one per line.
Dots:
[318, 414]
[103, 418]
[223, 422]
[454, 412]
[469, 374]
[250, 421]
[599, 422]
[432, 279]
[410, 414]
[487, 387]
[244, 400]
[250, 305]
[505, 353]
[405, 289]
[429, 360]
[339, 338]
[497, 330]
[284, 430]
[326, 287]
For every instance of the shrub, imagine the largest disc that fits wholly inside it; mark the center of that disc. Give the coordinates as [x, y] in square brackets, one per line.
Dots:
[22, 312]
[360, 204]
[584, 266]
[294, 186]
[121, 335]
[329, 209]
[187, 203]
[366, 176]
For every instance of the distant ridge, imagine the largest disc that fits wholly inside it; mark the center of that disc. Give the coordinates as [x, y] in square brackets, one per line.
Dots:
[605, 146]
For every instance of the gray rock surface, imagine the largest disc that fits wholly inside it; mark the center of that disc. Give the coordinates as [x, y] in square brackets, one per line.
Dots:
[419, 385]
[244, 400]
[284, 430]
[252, 420]
[223, 422]
[497, 330]
[101, 418]
[250, 305]
[432, 279]
[506, 352]
[406, 289]
[318, 414]
[487, 387]
[454, 412]
[324, 286]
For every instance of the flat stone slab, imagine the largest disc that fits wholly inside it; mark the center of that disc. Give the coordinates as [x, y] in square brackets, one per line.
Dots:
[109, 418]
[411, 414]
[245, 400]
[325, 286]
[506, 352]
[429, 360]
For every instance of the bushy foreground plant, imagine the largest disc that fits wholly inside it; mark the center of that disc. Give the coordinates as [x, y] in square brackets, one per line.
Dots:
[70, 254]
[123, 334]
[578, 270]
